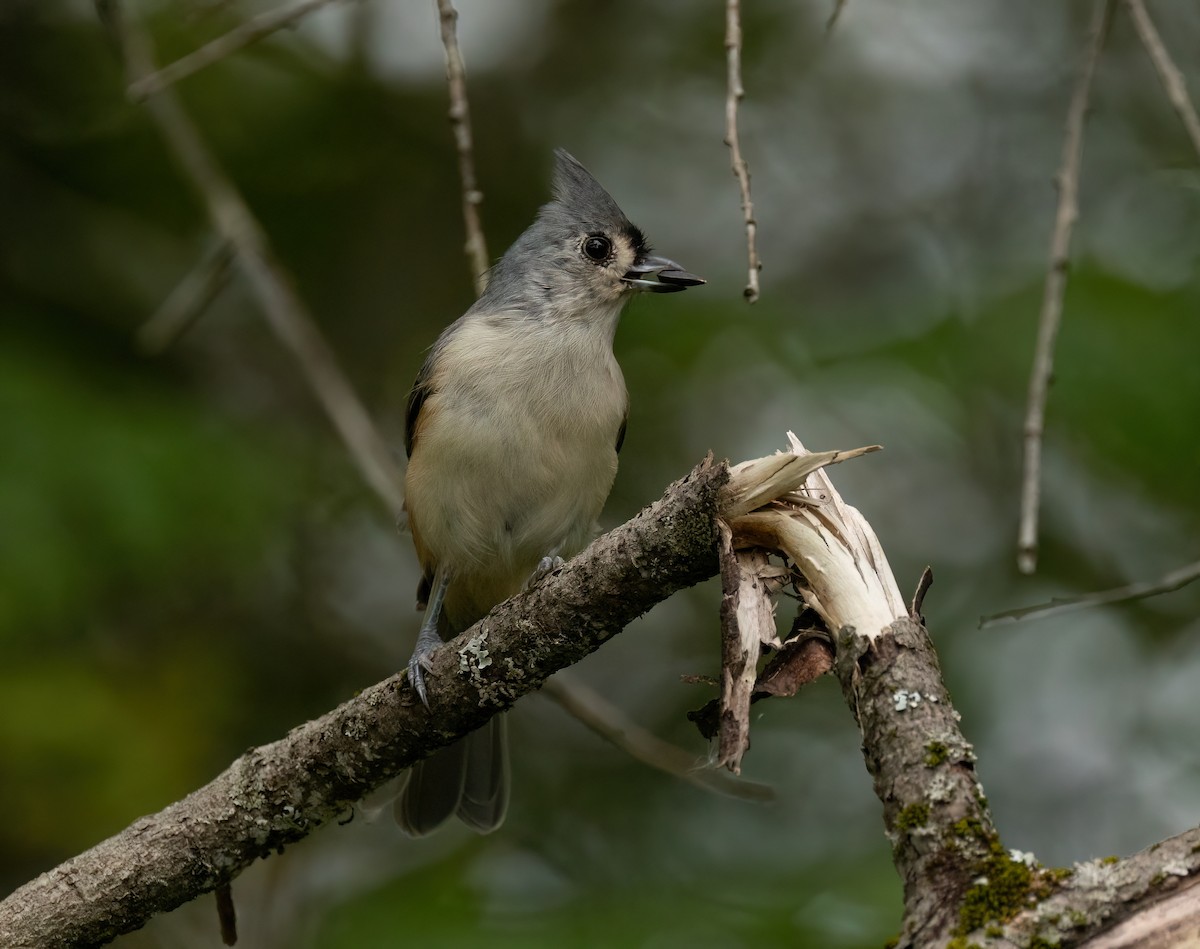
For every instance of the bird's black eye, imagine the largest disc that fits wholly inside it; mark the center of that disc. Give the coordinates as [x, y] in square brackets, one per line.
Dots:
[597, 248]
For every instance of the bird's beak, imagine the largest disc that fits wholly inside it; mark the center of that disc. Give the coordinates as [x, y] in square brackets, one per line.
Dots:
[659, 275]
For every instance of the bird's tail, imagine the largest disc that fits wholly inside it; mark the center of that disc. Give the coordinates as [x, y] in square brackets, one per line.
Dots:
[469, 778]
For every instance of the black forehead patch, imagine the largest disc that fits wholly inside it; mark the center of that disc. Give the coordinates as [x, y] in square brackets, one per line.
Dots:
[637, 240]
[581, 206]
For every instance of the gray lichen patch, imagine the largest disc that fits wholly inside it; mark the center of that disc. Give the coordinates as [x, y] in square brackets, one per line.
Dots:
[474, 656]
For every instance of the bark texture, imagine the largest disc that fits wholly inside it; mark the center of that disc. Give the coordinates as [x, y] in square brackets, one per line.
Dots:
[923, 768]
[279, 793]
[962, 888]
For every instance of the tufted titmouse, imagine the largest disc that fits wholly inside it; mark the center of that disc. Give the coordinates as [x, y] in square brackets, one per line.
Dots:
[513, 428]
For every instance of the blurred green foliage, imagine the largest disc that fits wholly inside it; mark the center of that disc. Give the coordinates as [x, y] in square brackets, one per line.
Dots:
[190, 565]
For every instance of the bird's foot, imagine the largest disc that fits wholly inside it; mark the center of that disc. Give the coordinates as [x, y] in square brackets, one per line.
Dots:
[419, 664]
[545, 567]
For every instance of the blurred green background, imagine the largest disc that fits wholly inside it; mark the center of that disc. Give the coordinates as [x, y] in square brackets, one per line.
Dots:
[190, 565]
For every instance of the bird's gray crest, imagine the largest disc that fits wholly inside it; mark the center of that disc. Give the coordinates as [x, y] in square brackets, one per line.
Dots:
[548, 248]
[581, 194]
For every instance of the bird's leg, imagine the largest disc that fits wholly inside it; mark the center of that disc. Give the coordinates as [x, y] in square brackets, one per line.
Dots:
[428, 638]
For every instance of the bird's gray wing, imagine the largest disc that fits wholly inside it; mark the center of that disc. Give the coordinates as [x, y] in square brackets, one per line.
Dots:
[421, 390]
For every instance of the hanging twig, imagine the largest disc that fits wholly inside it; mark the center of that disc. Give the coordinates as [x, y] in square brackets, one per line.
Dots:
[1055, 288]
[734, 95]
[1168, 73]
[285, 312]
[1168, 583]
[838, 7]
[238, 38]
[460, 121]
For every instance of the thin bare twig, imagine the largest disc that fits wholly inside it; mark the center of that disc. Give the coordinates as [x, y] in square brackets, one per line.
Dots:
[1056, 284]
[1168, 583]
[610, 723]
[838, 7]
[1168, 73]
[236, 39]
[188, 301]
[460, 121]
[284, 310]
[734, 95]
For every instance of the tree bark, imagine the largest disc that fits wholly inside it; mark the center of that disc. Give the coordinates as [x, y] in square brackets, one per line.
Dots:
[279, 793]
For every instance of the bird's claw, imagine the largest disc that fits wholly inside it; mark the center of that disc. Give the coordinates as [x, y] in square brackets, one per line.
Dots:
[417, 667]
[419, 664]
[545, 567]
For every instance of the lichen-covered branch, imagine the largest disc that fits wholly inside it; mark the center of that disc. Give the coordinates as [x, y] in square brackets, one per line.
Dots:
[279, 793]
[961, 886]
[934, 810]
[923, 768]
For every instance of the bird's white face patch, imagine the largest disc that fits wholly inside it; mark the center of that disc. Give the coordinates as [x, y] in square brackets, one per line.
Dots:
[606, 256]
